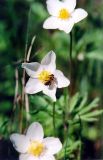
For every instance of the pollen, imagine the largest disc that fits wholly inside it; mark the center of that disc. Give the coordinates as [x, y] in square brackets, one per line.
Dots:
[64, 14]
[46, 77]
[36, 148]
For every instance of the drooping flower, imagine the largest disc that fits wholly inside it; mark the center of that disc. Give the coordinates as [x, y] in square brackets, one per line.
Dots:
[32, 145]
[44, 76]
[63, 15]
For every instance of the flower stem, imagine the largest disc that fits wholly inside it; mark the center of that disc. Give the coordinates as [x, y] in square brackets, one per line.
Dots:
[54, 119]
[71, 63]
[80, 138]
[71, 42]
[66, 143]
[71, 85]
[80, 151]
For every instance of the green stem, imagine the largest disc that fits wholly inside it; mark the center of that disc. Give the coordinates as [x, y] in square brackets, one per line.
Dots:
[66, 144]
[71, 63]
[80, 151]
[71, 43]
[54, 118]
[65, 112]
[80, 138]
[71, 86]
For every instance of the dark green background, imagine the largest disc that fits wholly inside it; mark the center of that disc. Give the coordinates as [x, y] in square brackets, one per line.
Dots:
[87, 43]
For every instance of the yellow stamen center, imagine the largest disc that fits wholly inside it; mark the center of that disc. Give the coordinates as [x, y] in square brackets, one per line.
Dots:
[36, 148]
[64, 14]
[46, 77]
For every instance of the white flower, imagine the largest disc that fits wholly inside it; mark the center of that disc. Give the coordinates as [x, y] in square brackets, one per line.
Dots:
[33, 146]
[44, 77]
[63, 15]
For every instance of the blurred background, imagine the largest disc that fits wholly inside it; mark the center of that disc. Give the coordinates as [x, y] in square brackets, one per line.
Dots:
[20, 20]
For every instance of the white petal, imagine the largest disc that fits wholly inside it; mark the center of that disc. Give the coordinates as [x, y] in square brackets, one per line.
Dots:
[53, 7]
[20, 142]
[51, 92]
[32, 69]
[49, 61]
[66, 25]
[33, 86]
[79, 14]
[51, 23]
[35, 132]
[57, 23]
[62, 81]
[47, 157]
[70, 5]
[27, 157]
[53, 145]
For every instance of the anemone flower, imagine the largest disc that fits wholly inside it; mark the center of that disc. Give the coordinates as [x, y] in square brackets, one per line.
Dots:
[44, 76]
[33, 146]
[63, 15]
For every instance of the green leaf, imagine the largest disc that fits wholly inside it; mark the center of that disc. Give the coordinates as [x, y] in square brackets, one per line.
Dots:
[38, 101]
[74, 145]
[88, 119]
[89, 116]
[4, 123]
[93, 113]
[96, 55]
[83, 102]
[38, 9]
[91, 106]
[73, 102]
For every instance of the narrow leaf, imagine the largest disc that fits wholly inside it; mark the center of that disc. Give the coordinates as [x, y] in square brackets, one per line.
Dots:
[91, 106]
[94, 113]
[83, 102]
[73, 102]
[89, 119]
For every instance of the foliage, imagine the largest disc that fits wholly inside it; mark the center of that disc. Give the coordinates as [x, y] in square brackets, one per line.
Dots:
[80, 113]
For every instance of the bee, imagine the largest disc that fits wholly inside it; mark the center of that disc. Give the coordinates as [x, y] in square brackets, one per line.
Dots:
[49, 81]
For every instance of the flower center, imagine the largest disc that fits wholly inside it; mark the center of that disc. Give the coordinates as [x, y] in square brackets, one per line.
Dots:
[64, 14]
[46, 77]
[36, 148]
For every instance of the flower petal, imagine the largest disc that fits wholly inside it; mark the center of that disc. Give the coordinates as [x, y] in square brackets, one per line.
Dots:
[32, 69]
[53, 7]
[27, 157]
[33, 86]
[62, 81]
[79, 14]
[70, 5]
[51, 23]
[50, 91]
[57, 23]
[66, 25]
[47, 157]
[35, 132]
[20, 142]
[49, 61]
[52, 144]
